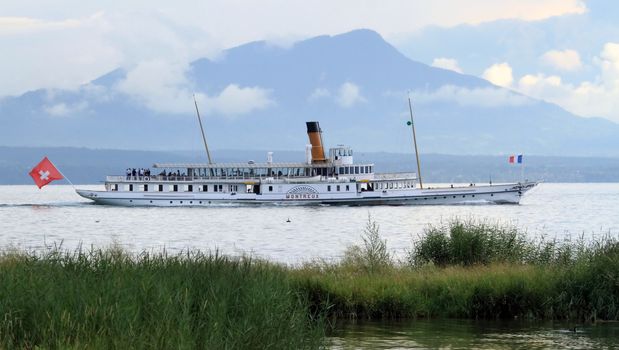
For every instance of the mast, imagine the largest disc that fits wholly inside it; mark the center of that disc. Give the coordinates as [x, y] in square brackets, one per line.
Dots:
[208, 154]
[412, 124]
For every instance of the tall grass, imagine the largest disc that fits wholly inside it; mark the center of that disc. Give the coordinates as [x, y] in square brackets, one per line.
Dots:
[110, 299]
[372, 256]
[470, 269]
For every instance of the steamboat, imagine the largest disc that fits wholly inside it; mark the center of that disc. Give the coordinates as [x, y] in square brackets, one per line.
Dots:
[321, 179]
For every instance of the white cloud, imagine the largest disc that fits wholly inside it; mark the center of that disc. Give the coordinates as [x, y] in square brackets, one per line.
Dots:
[63, 109]
[609, 65]
[164, 87]
[159, 85]
[566, 60]
[235, 100]
[349, 95]
[499, 74]
[488, 97]
[598, 98]
[447, 63]
[25, 25]
[319, 93]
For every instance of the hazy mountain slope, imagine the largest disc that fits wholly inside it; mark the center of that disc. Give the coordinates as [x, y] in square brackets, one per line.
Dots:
[455, 113]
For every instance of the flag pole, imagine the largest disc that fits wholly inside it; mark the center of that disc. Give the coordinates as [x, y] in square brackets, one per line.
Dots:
[522, 168]
[410, 108]
[208, 154]
[66, 178]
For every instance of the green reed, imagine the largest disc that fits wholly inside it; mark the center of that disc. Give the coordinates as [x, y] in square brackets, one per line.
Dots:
[470, 269]
[111, 299]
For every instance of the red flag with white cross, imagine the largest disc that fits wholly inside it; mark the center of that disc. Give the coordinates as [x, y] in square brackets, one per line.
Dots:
[44, 173]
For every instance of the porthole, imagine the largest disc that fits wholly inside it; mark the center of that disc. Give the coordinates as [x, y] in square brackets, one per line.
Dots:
[444, 197]
[200, 202]
[131, 200]
[181, 202]
[170, 202]
[190, 202]
[472, 195]
[454, 196]
[151, 201]
[491, 194]
[463, 196]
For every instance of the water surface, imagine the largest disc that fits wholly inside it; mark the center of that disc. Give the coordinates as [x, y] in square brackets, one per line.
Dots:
[33, 219]
[467, 334]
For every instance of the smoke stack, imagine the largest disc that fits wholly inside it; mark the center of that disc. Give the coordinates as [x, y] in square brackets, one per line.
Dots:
[315, 138]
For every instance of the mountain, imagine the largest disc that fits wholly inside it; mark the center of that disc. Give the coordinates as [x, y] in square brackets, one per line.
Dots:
[355, 84]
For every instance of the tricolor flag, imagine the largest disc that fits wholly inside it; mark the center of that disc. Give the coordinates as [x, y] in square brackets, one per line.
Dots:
[515, 159]
[44, 173]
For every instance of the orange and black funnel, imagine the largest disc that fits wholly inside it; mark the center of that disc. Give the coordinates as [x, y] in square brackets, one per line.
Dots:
[315, 138]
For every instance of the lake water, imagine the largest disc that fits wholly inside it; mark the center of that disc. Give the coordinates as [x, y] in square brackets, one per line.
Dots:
[33, 219]
[467, 334]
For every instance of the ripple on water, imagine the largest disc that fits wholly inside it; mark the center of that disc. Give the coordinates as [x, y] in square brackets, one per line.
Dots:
[32, 218]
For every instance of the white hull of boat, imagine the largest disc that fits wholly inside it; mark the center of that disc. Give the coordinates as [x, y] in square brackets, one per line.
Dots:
[491, 194]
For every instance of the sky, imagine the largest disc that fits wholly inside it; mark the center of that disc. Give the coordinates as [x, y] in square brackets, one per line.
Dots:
[561, 51]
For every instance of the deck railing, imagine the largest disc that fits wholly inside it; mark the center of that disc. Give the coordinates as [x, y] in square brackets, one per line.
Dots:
[265, 178]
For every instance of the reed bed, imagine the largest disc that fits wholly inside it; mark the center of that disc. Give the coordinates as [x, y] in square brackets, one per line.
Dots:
[111, 299]
[464, 269]
[469, 269]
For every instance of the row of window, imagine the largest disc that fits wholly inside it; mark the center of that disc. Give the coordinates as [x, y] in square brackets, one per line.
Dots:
[392, 185]
[363, 169]
[337, 188]
[175, 188]
[445, 197]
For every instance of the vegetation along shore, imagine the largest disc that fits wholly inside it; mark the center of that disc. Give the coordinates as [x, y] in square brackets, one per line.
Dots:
[463, 268]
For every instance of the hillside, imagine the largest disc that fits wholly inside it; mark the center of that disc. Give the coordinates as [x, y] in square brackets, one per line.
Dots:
[260, 95]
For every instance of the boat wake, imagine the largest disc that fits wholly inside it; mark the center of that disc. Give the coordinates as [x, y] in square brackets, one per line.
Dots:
[46, 205]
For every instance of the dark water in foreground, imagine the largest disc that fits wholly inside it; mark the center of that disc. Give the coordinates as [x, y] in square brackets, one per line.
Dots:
[466, 334]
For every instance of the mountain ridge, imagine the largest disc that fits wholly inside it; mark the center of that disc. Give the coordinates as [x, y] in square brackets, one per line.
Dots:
[455, 113]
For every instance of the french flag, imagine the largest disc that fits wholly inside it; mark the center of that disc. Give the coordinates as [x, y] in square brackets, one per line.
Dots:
[515, 159]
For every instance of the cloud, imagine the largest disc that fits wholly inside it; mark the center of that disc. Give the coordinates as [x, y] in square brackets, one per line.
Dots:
[349, 95]
[447, 63]
[26, 25]
[609, 65]
[499, 74]
[597, 98]
[160, 86]
[566, 60]
[63, 109]
[489, 97]
[235, 100]
[319, 93]
[164, 87]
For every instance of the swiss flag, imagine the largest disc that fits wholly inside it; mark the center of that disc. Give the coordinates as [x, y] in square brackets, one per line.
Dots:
[44, 173]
